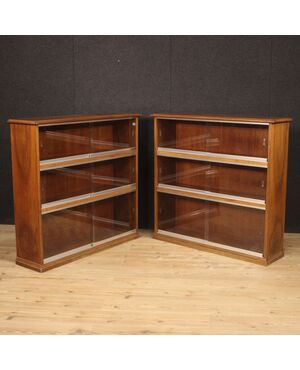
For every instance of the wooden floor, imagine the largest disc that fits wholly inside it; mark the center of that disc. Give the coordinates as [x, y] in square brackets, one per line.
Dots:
[147, 286]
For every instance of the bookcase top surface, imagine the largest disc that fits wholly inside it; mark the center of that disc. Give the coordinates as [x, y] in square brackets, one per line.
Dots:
[39, 121]
[222, 118]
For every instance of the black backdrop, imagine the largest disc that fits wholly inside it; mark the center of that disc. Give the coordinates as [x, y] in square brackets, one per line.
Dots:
[236, 75]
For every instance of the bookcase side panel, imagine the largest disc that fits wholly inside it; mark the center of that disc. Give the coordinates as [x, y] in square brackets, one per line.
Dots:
[155, 175]
[276, 190]
[135, 173]
[26, 184]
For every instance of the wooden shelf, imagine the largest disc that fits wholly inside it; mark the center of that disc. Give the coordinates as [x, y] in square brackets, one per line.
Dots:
[49, 164]
[213, 157]
[88, 246]
[210, 244]
[211, 196]
[86, 198]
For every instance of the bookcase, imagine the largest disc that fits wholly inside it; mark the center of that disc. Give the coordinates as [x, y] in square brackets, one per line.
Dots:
[220, 184]
[74, 180]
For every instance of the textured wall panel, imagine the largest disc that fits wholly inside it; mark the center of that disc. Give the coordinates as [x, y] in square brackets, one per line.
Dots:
[146, 175]
[116, 74]
[220, 75]
[285, 101]
[36, 78]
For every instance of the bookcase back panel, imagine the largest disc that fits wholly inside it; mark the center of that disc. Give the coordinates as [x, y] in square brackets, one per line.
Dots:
[113, 216]
[111, 174]
[228, 225]
[236, 226]
[66, 230]
[112, 135]
[226, 138]
[61, 183]
[64, 140]
[57, 141]
[237, 180]
[66, 182]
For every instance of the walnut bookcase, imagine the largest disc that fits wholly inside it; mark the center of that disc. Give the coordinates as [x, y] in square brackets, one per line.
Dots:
[74, 180]
[220, 184]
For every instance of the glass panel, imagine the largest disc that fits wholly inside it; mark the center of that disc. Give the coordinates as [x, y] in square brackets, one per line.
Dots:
[64, 140]
[67, 229]
[226, 138]
[62, 183]
[112, 135]
[65, 182]
[215, 177]
[113, 216]
[114, 173]
[233, 226]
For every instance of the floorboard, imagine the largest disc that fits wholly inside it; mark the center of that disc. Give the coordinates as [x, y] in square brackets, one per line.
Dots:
[147, 286]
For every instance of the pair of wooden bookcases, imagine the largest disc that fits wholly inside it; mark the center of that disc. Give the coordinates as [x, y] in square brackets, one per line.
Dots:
[220, 185]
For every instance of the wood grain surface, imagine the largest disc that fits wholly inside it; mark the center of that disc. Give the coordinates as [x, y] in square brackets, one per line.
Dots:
[40, 121]
[203, 117]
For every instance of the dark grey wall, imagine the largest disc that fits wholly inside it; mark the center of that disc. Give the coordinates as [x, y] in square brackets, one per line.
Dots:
[51, 75]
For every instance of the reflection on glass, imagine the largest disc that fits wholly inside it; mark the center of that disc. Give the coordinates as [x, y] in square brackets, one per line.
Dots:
[67, 229]
[225, 224]
[65, 182]
[113, 216]
[226, 138]
[64, 140]
[70, 140]
[215, 177]
[112, 135]
[112, 174]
